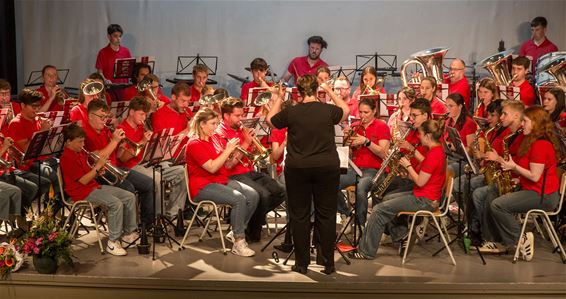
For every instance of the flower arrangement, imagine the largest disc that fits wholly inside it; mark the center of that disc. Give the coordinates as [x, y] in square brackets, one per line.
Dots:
[11, 259]
[46, 239]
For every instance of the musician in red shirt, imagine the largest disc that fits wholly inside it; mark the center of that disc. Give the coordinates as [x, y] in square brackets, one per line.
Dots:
[304, 65]
[140, 71]
[175, 114]
[486, 94]
[80, 184]
[429, 178]
[428, 91]
[457, 81]
[536, 166]
[271, 194]
[6, 102]
[370, 145]
[519, 69]
[342, 90]
[107, 56]
[368, 84]
[52, 94]
[208, 178]
[134, 128]
[258, 67]
[200, 76]
[79, 113]
[539, 44]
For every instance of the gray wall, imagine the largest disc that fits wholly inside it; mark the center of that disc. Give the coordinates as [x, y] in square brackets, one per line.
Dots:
[69, 34]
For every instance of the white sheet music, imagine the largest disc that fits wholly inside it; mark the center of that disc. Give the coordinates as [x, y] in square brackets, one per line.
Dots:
[343, 155]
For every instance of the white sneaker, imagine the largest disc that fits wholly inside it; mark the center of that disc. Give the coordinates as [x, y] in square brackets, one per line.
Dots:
[420, 229]
[130, 238]
[230, 237]
[115, 248]
[527, 246]
[241, 248]
[492, 247]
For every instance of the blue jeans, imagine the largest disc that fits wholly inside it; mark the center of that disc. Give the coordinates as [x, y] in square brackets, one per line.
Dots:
[10, 200]
[241, 197]
[382, 216]
[362, 188]
[505, 207]
[143, 185]
[121, 206]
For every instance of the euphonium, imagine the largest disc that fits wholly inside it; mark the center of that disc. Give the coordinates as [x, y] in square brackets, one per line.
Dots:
[118, 174]
[430, 61]
[505, 182]
[556, 68]
[491, 169]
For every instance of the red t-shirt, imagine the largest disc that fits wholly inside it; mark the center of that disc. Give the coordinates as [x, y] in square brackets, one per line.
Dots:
[135, 135]
[529, 48]
[129, 93]
[246, 89]
[74, 166]
[413, 138]
[197, 153]
[79, 114]
[541, 152]
[527, 93]
[300, 66]
[468, 128]
[496, 141]
[166, 117]
[226, 132]
[278, 135]
[434, 164]
[376, 131]
[106, 59]
[481, 111]
[164, 99]
[437, 106]
[355, 100]
[54, 105]
[95, 141]
[462, 87]
[195, 94]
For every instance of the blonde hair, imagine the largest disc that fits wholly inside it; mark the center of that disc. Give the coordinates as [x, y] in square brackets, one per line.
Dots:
[203, 115]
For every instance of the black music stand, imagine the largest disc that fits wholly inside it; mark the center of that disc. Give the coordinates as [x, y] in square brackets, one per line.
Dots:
[383, 63]
[354, 216]
[36, 79]
[346, 71]
[119, 108]
[185, 68]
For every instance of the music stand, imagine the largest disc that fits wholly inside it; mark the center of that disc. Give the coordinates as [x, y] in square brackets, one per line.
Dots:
[124, 68]
[383, 63]
[348, 71]
[185, 68]
[119, 108]
[250, 122]
[57, 117]
[509, 92]
[149, 60]
[67, 106]
[35, 78]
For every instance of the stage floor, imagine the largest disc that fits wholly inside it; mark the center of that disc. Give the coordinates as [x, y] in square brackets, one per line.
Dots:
[201, 269]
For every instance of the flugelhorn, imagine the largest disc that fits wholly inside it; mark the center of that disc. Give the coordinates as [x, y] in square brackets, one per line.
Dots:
[145, 85]
[133, 148]
[118, 175]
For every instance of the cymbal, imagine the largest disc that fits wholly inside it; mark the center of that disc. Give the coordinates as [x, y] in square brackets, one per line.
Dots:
[241, 79]
[267, 74]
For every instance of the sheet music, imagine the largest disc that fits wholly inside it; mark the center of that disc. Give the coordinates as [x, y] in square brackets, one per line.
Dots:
[343, 155]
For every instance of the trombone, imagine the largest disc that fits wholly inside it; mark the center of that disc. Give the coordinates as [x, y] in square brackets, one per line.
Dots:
[118, 175]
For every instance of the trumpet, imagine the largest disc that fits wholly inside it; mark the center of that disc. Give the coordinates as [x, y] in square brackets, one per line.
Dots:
[118, 175]
[369, 90]
[61, 96]
[351, 133]
[14, 153]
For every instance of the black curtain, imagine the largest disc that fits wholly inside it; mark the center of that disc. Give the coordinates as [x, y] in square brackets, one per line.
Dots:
[8, 68]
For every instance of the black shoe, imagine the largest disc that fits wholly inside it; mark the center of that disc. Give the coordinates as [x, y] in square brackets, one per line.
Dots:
[328, 270]
[253, 235]
[405, 244]
[299, 269]
[284, 247]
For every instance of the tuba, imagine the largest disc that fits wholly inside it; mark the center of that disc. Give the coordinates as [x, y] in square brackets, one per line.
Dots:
[118, 174]
[430, 61]
[498, 66]
[556, 70]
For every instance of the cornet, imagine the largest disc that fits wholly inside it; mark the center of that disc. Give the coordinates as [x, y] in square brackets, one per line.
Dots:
[118, 175]
[61, 96]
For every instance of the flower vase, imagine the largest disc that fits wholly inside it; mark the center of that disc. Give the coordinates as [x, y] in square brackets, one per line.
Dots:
[45, 264]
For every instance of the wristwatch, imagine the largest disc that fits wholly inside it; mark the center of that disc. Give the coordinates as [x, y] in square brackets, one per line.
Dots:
[367, 143]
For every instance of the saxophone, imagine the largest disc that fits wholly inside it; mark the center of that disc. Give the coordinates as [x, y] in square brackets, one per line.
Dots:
[395, 169]
[505, 184]
[491, 169]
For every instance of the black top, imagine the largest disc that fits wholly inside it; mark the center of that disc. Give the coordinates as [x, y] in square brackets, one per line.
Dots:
[310, 134]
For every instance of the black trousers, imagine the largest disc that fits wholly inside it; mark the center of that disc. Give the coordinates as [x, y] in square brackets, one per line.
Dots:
[318, 185]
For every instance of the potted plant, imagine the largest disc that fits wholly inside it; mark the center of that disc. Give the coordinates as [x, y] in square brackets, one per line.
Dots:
[11, 259]
[48, 243]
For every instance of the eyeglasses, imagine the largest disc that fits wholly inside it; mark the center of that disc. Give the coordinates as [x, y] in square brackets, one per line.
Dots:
[5, 93]
[413, 115]
[456, 69]
[102, 117]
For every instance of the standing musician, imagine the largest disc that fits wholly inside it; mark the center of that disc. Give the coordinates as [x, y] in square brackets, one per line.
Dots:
[405, 97]
[511, 117]
[258, 67]
[312, 171]
[200, 76]
[304, 65]
[52, 94]
[369, 144]
[208, 179]
[428, 91]
[102, 141]
[107, 56]
[138, 74]
[80, 184]
[79, 113]
[519, 69]
[536, 166]
[271, 194]
[538, 44]
[429, 178]
[457, 81]
[486, 94]
[175, 114]
[21, 129]
[133, 126]
[368, 84]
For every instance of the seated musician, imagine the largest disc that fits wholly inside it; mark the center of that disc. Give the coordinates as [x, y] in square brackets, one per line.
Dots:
[519, 68]
[80, 184]
[486, 94]
[79, 113]
[429, 178]
[258, 67]
[107, 56]
[5, 98]
[342, 89]
[457, 81]
[102, 141]
[208, 179]
[428, 89]
[553, 103]
[11, 208]
[175, 114]
[459, 118]
[155, 94]
[271, 194]
[322, 76]
[369, 144]
[133, 126]
[21, 129]
[405, 97]
[307, 65]
[104, 94]
[511, 117]
[538, 179]
[368, 84]
[52, 94]
[200, 76]
[138, 74]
